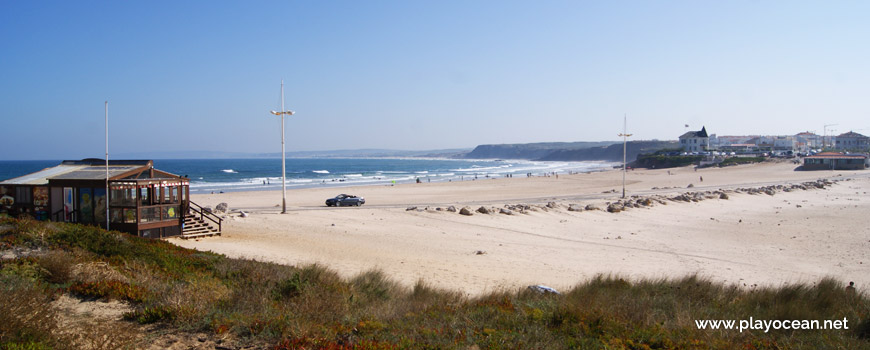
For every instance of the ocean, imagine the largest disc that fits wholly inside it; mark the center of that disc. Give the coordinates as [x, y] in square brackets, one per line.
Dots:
[215, 175]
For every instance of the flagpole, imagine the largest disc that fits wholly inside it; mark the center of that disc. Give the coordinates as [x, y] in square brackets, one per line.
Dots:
[107, 166]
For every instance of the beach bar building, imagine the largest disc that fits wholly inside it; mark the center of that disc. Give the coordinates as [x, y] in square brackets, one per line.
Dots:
[836, 161]
[142, 200]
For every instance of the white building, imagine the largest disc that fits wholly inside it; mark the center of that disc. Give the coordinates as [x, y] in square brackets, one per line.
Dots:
[852, 141]
[695, 141]
[784, 143]
[806, 141]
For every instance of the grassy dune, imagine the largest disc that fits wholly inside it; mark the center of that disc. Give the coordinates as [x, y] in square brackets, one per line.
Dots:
[284, 307]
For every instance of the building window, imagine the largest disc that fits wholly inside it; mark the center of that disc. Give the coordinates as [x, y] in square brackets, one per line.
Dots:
[23, 195]
[124, 215]
[124, 197]
[150, 214]
[144, 195]
[170, 213]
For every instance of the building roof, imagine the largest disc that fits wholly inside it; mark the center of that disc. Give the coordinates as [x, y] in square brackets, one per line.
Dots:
[85, 169]
[852, 134]
[41, 177]
[700, 133]
[91, 172]
[837, 155]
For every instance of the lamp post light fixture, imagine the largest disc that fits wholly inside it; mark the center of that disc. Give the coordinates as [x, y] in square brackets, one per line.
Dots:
[625, 136]
[282, 113]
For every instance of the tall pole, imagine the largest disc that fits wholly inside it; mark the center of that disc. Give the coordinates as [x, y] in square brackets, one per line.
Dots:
[283, 157]
[282, 113]
[107, 166]
[625, 136]
[825, 136]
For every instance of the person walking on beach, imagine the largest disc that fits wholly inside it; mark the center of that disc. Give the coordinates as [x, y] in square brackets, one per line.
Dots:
[702, 179]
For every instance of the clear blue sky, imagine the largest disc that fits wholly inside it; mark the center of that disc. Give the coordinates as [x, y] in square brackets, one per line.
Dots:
[421, 74]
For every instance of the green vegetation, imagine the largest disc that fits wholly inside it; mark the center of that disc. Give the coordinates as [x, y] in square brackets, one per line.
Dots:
[311, 307]
[741, 160]
[661, 161]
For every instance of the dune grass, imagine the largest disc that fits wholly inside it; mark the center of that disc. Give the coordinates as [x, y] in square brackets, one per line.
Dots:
[312, 307]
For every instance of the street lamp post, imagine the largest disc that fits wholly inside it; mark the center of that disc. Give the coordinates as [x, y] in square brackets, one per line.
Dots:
[282, 113]
[107, 166]
[825, 136]
[625, 136]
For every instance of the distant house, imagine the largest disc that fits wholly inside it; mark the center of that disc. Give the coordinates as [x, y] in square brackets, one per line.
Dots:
[141, 200]
[836, 161]
[852, 141]
[807, 140]
[728, 140]
[785, 143]
[695, 141]
[739, 147]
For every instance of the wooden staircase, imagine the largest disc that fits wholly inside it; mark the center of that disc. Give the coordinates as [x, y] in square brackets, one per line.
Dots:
[199, 222]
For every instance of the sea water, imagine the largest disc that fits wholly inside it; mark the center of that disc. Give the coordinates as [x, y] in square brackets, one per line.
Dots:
[215, 175]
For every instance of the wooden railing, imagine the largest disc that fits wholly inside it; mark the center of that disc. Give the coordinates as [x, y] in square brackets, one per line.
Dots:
[196, 209]
[58, 217]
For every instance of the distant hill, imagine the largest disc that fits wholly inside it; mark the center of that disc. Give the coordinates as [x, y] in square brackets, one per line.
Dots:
[612, 152]
[529, 150]
[568, 151]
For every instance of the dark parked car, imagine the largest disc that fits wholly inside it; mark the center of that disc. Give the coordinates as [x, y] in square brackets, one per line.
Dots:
[344, 200]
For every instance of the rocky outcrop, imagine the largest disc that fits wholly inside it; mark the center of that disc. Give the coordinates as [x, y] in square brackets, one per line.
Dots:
[637, 201]
[615, 207]
[221, 208]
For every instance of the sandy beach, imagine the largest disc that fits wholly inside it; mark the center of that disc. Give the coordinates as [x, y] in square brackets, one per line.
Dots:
[748, 239]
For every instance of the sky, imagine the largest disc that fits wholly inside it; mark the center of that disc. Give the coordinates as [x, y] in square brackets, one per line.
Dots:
[417, 75]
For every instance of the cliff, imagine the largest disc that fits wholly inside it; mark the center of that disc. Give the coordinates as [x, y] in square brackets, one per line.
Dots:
[528, 150]
[611, 152]
[569, 151]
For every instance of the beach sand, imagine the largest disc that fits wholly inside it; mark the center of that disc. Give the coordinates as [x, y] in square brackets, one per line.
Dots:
[748, 239]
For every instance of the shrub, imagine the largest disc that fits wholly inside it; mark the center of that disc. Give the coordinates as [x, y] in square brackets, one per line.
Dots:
[26, 317]
[291, 287]
[151, 315]
[23, 268]
[374, 286]
[740, 160]
[659, 161]
[58, 265]
[109, 290]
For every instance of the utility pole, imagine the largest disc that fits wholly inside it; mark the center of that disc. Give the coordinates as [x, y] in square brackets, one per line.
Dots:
[625, 136]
